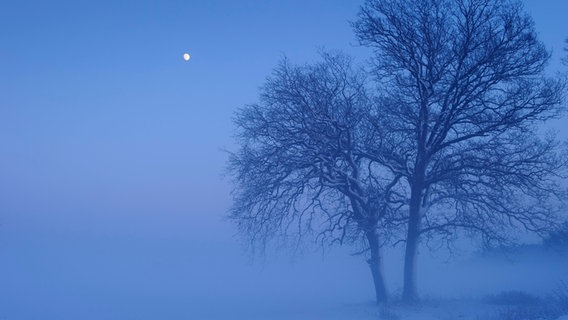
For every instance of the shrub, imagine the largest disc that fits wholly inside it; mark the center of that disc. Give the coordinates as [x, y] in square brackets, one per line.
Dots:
[558, 299]
[524, 306]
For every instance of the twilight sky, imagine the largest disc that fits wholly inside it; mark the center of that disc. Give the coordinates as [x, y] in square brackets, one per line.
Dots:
[111, 187]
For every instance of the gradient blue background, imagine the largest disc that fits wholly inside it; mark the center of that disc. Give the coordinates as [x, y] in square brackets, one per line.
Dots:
[112, 194]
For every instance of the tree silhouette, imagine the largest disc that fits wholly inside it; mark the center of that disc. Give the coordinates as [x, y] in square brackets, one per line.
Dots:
[301, 169]
[462, 94]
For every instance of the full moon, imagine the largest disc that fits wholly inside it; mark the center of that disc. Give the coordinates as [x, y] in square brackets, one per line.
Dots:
[186, 56]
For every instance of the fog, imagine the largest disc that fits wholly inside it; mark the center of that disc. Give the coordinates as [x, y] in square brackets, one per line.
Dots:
[143, 275]
[113, 193]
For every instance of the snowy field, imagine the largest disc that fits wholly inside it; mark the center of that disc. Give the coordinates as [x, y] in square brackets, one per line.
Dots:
[431, 310]
[214, 281]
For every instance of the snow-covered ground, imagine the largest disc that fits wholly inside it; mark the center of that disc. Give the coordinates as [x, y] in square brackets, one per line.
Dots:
[469, 287]
[71, 277]
[457, 309]
[440, 309]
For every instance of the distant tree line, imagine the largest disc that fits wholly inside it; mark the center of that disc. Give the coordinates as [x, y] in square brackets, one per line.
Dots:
[565, 60]
[557, 238]
[438, 135]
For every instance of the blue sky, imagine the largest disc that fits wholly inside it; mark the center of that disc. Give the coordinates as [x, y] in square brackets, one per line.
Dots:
[97, 93]
[110, 143]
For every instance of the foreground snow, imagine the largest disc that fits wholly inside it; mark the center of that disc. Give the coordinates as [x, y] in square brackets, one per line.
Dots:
[454, 309]
[459, 309]
[148, 280]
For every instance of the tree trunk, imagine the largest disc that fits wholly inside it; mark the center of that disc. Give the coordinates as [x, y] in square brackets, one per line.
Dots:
[409, 293]
[376, 265]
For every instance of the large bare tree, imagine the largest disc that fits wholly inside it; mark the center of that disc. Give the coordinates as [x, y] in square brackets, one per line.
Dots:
[300, 170]
[463, 92]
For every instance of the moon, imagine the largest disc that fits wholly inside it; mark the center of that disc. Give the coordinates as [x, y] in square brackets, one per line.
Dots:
[186, 56]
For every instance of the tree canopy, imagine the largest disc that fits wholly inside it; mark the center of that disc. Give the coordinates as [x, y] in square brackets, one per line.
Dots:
[442, 134]
[462, 91]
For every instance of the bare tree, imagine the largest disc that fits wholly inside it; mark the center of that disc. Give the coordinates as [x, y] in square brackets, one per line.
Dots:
[462, 94]
[299, 170]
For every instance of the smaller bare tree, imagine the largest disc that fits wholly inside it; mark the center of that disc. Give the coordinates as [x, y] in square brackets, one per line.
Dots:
[300, 170]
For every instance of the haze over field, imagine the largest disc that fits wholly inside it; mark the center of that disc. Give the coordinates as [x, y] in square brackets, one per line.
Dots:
[112, 186]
